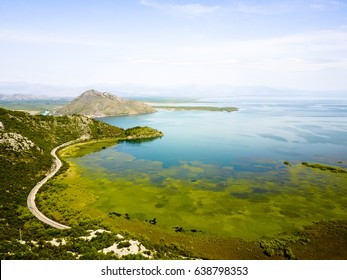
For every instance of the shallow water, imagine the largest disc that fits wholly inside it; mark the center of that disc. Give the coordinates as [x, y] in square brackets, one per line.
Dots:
[223, 173]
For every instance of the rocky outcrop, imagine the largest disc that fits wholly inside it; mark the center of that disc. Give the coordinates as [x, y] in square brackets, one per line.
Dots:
[15, 142]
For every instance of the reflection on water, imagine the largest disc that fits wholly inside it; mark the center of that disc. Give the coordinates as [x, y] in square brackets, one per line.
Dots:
[223, 172]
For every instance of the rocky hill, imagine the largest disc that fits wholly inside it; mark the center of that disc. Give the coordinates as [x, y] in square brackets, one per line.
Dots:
[93, 103]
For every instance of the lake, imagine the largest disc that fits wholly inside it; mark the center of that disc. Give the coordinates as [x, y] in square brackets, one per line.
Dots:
[223, 173]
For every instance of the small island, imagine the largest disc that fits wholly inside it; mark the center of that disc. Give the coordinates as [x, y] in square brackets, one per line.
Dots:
[199, 108]
[322, 167]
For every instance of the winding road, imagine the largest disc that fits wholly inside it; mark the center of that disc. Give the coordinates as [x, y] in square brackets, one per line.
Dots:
[32, 195]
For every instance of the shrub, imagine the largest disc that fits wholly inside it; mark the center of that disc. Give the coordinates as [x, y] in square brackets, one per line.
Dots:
[123, 244]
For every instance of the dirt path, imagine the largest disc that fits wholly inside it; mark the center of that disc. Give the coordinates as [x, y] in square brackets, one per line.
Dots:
[32, 195]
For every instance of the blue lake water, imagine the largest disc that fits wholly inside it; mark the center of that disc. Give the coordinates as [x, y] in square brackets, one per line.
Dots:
[223, 172]
[260, 131]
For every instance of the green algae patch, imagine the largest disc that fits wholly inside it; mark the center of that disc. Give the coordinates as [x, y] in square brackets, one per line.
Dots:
[193, 197]
[84, 148]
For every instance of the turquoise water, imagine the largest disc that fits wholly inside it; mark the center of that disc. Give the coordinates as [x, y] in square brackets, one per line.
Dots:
[223, 173]
[292, 130]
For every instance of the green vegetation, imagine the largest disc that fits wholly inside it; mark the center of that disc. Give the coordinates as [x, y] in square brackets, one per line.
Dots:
[199, 108]
[22, 166]
[280, 246]
[25, 145]
[322, 167]
[183, 198]
[36, 106]
[145, 132]
[92, 198]
[178, 204]
[123, 244]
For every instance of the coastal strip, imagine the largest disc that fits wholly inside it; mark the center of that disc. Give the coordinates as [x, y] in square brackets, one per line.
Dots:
[32, 195]
[198, 108]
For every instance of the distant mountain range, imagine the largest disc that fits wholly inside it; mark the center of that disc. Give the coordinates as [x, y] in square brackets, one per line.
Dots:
[20, 97]
[27, 91]
[94, 103]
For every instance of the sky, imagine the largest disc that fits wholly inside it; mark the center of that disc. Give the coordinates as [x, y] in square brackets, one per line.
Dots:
[299, 44]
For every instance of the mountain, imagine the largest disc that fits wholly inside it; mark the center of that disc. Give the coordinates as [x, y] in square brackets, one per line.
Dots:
[17, 97]
[93, 103]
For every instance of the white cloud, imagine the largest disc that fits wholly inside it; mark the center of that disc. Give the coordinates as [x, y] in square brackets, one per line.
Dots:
[189, 10]
[275, 8]
[326, 4]
[321, 41]
[150, 4]
[195, 9]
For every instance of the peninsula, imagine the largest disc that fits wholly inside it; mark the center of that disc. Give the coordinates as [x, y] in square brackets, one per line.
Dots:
[199, 108]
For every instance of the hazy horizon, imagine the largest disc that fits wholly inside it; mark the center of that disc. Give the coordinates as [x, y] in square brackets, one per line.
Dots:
[42, 91]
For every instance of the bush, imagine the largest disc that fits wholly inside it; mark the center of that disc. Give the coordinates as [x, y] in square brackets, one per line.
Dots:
[123, 244]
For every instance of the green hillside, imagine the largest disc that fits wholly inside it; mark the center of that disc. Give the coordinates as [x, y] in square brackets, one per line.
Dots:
[25, 145]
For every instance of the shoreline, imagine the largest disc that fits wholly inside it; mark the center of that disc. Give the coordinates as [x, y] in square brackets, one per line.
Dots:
[57, 164]
[198, 108]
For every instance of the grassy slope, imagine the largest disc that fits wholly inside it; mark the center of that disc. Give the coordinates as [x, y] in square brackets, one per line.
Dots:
[21, 170]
